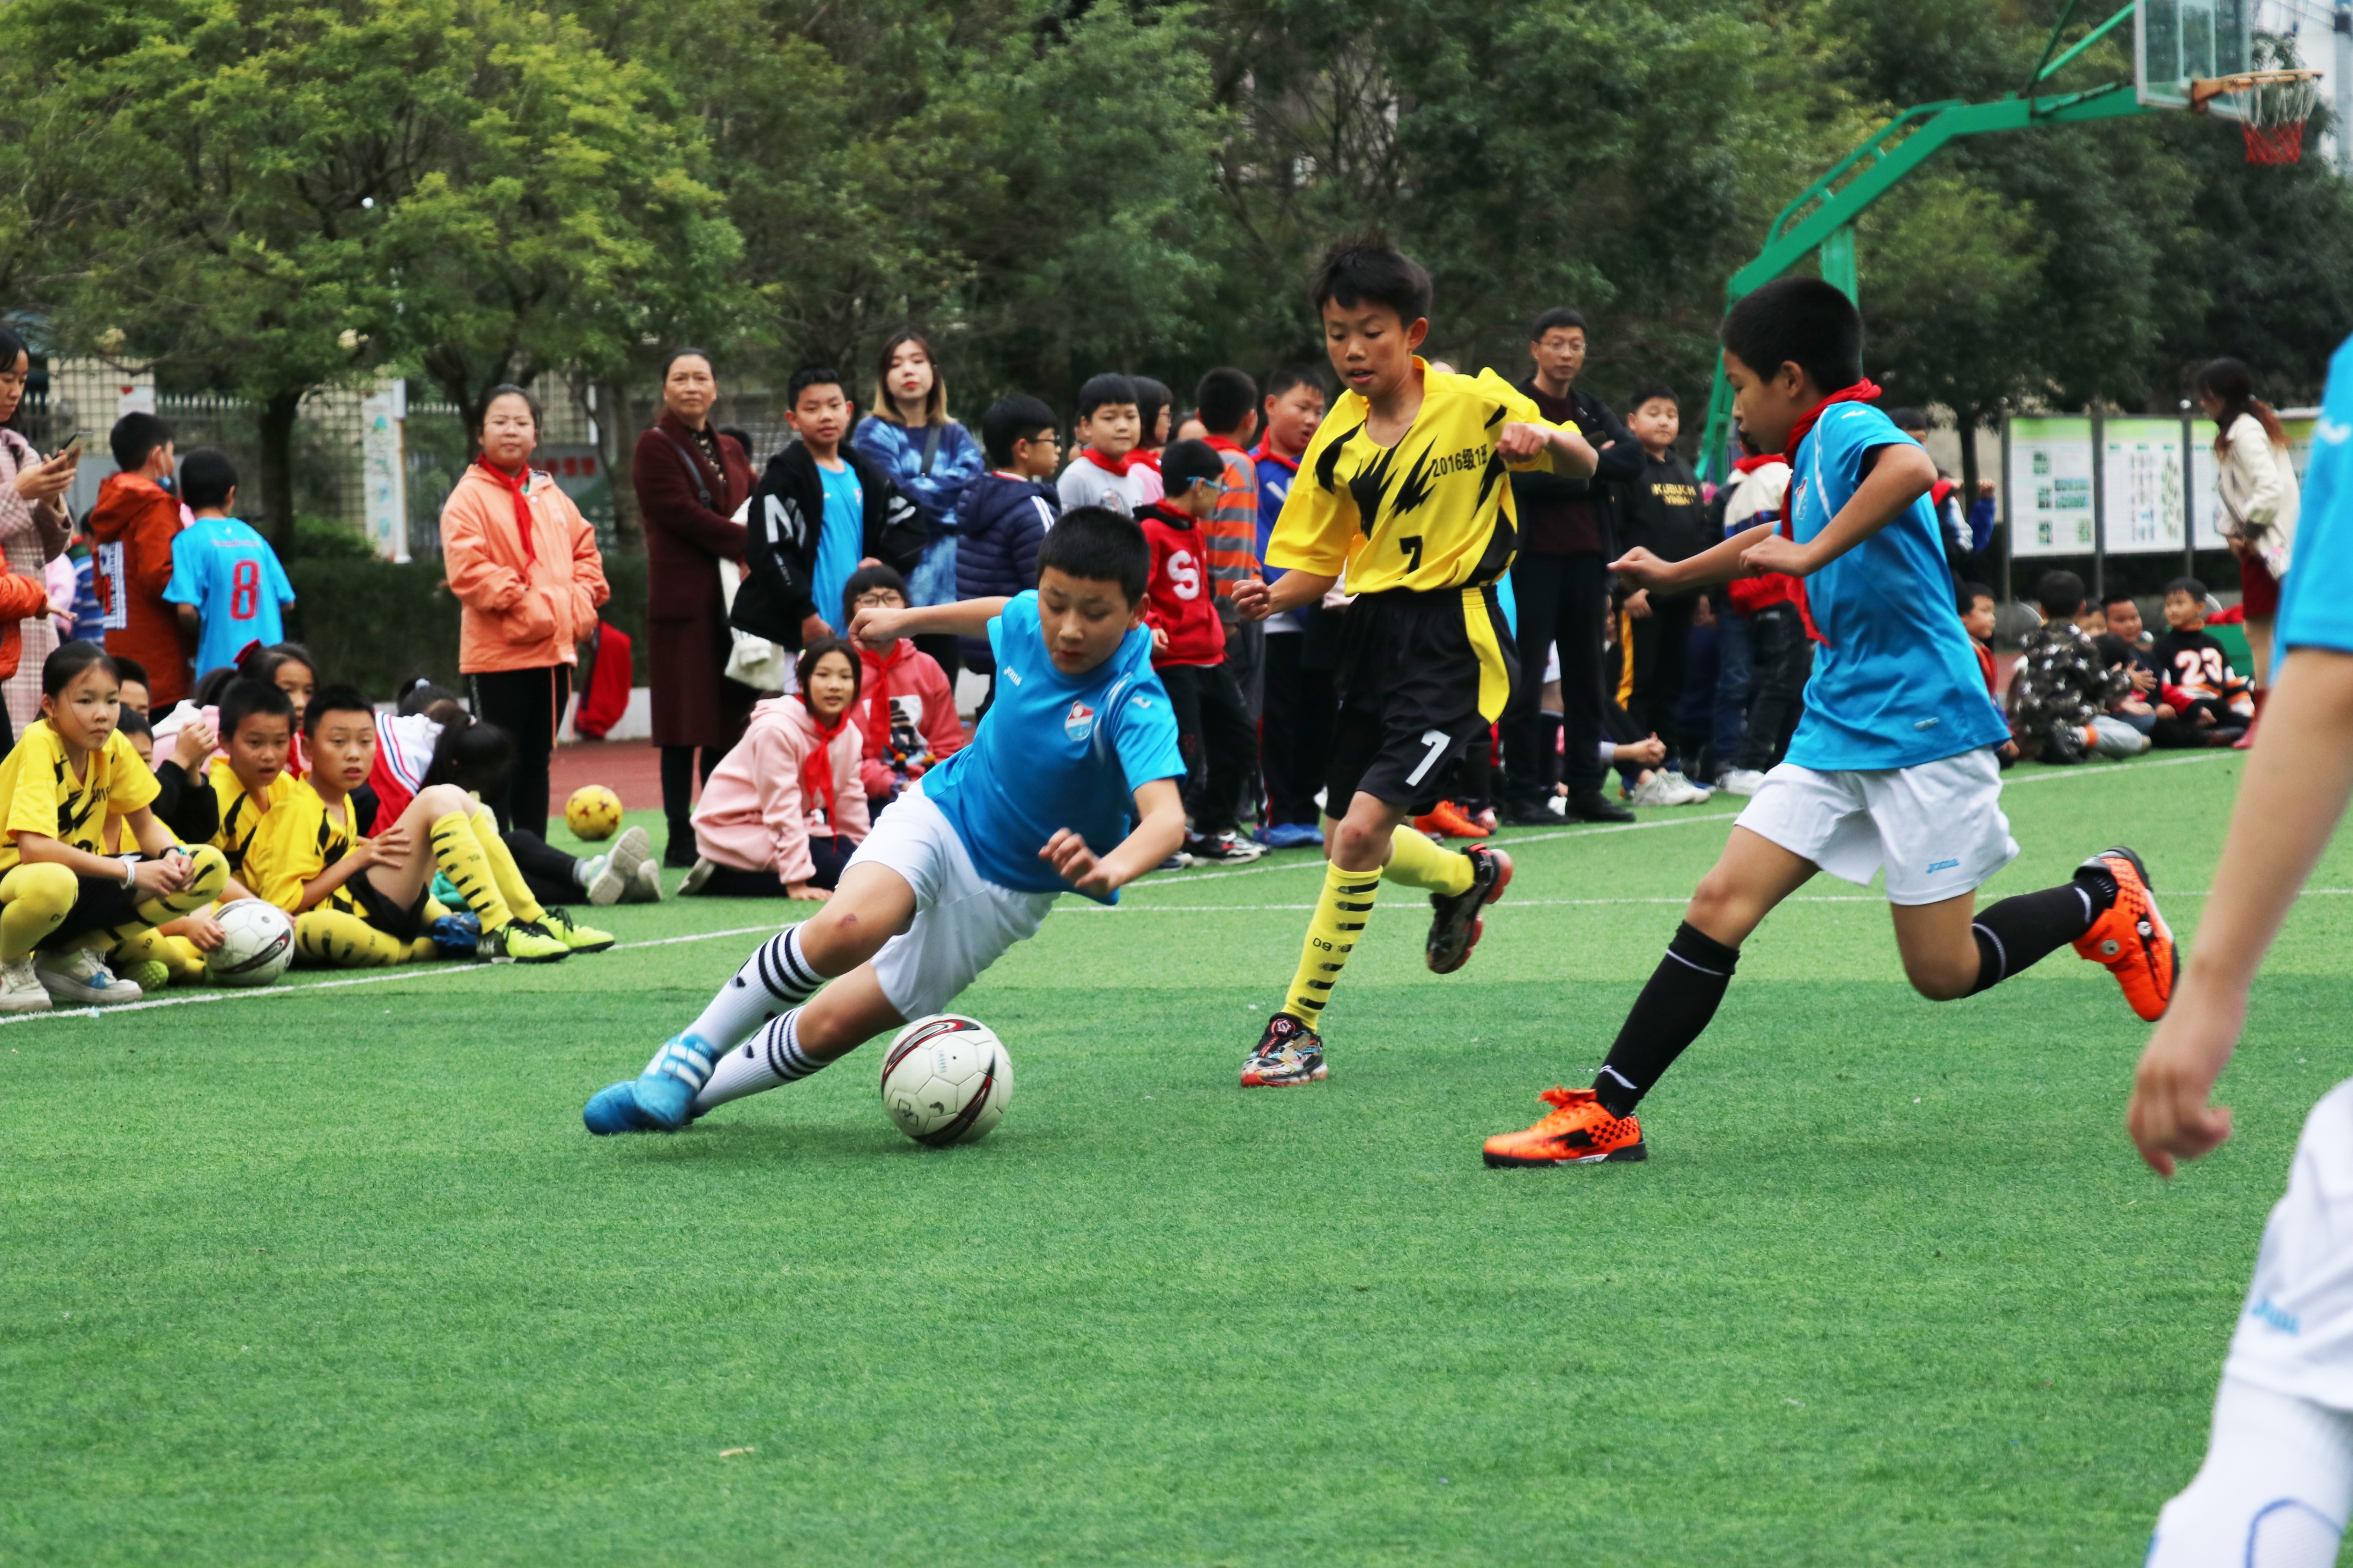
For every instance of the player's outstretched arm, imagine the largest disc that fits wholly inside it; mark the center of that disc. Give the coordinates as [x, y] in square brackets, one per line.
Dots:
[1254, 600]
[965, 618]
[1159, 831]
[2298, 777]
[1900, 474]
[1718, 563]
[1573, 457]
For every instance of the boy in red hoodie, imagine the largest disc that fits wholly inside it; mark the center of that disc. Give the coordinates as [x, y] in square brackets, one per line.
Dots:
[133, 526]
[906, 708]
[1214, 733]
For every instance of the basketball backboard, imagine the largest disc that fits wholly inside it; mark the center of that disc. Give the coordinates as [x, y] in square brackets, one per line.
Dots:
[2177, 42]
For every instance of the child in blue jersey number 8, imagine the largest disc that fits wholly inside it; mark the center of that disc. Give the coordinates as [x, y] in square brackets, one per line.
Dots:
[968, 860]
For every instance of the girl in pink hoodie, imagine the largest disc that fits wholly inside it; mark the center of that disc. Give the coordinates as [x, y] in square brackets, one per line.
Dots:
[785, 810]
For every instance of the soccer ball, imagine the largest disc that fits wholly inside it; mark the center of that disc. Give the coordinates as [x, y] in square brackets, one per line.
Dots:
[593, 812]
[946, 1080]
[257, 944]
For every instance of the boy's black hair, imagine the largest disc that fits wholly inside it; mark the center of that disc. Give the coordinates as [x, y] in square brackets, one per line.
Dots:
[1290, 375]
[865, 580]
[1650, 390]
[1364, 267]
[134, 437]
[1904, 419]
[243, 699]
[805, 665]
[1798, 320]
[1186, 463]
[132, 722]
[335, 700]
[2189, 586]
[68, 659]
[1109, 387]
[206, 477]
[810, 376]
[1225, 399]
[470, 753]
[212, 683]
[1097, 544]
[1558, 316]
[2118, 597]
[1019, 417]
[130, 670]
[1968, 593]
[2061, 594]
[420, 693]
[2112, 648]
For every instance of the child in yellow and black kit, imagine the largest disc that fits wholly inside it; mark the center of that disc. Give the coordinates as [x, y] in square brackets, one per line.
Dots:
[1405, 489]
[63, 901]
[360, 893]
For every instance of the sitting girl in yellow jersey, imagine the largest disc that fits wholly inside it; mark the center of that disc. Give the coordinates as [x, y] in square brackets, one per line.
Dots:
[61, 897]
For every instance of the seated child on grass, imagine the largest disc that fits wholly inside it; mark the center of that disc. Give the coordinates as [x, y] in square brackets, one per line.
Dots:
[785, 809]
[2211, 705]
[2062, 693]
[362, 902]
[906, 706]
[61, 896]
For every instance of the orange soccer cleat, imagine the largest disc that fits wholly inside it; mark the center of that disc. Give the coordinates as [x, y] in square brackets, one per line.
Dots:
[1448, 820]
[2131, 938]
[1579, 1132]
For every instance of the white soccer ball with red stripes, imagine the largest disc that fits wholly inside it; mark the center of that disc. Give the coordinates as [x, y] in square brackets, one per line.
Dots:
[946, 1080]
[257, 944]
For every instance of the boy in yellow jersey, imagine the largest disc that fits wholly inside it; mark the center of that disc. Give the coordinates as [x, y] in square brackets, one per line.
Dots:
[1403, 488]
[256, 729]
[361, 902]
[60, 894]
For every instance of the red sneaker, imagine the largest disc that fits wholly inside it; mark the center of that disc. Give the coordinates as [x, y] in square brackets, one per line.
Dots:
[2131, 938]
[1448, 821]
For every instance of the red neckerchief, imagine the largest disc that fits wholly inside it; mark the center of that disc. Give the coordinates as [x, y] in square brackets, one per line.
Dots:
[877, 694]
[513, 484]
[1763, 459]
[1144, 460]
[1939, 490]
[1223, 445]
[1863, 391]
[1119, 465]
[817, 768]
[1265, 449]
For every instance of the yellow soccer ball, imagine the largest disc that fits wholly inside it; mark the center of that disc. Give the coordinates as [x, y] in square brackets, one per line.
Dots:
[593, 812]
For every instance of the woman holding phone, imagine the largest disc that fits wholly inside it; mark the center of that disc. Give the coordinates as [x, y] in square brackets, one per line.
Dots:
[33, 532]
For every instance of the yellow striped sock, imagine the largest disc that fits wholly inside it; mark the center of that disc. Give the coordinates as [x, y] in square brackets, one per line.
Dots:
[511, 886]
[459, 855]
[333, 939]
[1417, 863]
[1345, 903]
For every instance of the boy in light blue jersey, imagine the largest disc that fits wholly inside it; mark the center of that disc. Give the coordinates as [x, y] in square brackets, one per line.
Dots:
[967, 863]
[226, 579]
[1893, 765]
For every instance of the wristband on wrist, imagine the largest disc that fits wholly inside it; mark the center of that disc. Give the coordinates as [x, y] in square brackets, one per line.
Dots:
[130, 873]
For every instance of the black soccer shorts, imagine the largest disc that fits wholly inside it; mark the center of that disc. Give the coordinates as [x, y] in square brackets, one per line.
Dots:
[1421, 677]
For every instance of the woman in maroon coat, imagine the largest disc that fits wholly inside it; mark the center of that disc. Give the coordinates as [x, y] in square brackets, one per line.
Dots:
[690, 481]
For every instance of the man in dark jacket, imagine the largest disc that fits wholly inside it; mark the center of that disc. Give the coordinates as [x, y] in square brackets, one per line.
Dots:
[1006, 512]
[820, 511]
[1561, 587]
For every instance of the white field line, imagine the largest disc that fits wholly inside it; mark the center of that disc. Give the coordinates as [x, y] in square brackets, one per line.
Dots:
[1555, 903]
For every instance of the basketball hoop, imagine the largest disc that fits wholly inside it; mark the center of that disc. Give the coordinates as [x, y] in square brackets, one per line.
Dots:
[2273, 107]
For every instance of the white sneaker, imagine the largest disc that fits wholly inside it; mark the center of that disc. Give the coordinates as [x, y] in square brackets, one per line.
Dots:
[81, 977]
[630, 851]
[647, 889]
[596, 879]
[1659, 789]
[1690, 793]
[1741, 781]
[700, 873]
[21, 990]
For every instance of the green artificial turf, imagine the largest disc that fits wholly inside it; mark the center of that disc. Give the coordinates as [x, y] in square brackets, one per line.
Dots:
[337, 1276]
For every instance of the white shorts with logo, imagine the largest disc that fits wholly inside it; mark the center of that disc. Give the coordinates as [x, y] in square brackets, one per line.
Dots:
[1937, 828]
[2295, 1335]
[963, 922]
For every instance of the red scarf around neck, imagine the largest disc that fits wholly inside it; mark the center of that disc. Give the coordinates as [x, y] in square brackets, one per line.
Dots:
[1750, 464]
[514, 484]
[1863, 391]
[1133, 458]
[875, 693]
[816, 767]
[1266, 450]
[1222, 444]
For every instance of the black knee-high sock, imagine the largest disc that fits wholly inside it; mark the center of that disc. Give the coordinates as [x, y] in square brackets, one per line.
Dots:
[1669, 1015]
[2017, 933]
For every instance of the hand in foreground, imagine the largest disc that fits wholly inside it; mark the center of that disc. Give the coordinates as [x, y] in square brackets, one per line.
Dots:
[197, 740]
[1648, 754]
[803, 891]
[1251, 599]
[1774, 553]
[877, 626]
[813, 626]
[1160, 639]
[389, 847]
[1517, 443]
[2169, 1117]
[1638, 603]
[2143, 679]
[47, 480]
[204, 933]
[1640, 568]
[165, 874]
[1076, 864]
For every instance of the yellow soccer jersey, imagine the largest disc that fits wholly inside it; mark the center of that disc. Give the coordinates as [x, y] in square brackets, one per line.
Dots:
[297, 838]
[241, 813]
[42, 796]
[1433, 512]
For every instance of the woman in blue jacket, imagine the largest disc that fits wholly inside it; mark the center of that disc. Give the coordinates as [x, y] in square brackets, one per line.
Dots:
[930, 458]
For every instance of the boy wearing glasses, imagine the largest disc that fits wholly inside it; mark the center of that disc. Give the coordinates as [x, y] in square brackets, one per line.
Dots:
[906, 706]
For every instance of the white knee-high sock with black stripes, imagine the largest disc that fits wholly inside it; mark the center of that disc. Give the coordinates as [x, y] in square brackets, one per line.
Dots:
[769, 1059]
[774, 980]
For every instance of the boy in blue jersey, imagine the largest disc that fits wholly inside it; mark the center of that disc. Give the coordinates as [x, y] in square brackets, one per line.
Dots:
[2278, 1476]
[966, 863]
[226, 579]
[1893, 763]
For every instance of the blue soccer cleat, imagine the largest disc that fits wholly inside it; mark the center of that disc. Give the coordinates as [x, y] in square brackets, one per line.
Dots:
[660, 1098]
[614, 1109]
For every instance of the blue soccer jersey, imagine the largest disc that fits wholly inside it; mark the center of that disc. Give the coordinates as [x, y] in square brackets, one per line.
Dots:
[224, 569]
[2316, 597]
[1055, 752]
[1896, 680]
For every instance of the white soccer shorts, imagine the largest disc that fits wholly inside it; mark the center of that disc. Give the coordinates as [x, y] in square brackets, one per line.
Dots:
[1937, 828]
[963, 922]
[2295, 1335]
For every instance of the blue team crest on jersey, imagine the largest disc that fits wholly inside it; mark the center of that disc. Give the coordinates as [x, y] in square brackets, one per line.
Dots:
[1079, 723]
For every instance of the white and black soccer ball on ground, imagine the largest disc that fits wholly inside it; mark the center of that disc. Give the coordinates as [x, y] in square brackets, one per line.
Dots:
[946, 1080]
[257, 944]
